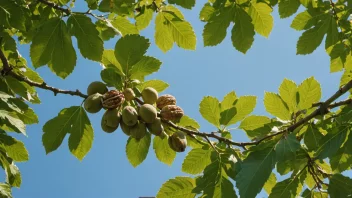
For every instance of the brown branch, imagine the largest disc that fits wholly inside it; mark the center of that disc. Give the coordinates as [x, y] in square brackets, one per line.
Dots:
[340, 103]
[335, 104]
[7, 70]
[47, 87]
[6, 66]
[55, 6]
[139, 101]
[322, 110]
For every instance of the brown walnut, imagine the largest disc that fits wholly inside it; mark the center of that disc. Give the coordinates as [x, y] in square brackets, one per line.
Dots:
[113, 99]
[165, 100]
[171, 112]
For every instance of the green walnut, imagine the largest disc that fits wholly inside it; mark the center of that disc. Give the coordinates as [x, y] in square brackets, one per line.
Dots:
[93, 103]
[138, 131]
[178, 142]
[148, 113]
[156, 128]
[111, 118]
[96, 87]
[129, 116]
[149, 95]
[107, 128]
[129, 94]
[125, 129]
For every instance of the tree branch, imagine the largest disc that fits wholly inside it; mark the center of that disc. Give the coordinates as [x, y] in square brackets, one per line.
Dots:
[55, 6]
[6, 66]
[322, 110]
[47, 87]
[7, 70]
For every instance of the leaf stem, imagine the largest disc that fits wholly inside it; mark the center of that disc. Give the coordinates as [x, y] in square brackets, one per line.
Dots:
[55, 6]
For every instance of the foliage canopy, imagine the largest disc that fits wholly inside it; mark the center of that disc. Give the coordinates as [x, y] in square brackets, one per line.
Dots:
[307, 139]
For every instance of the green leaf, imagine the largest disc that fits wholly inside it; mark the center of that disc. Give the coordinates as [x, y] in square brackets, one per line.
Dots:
[92, 4]
[207, 12]
[309, 92]
[215, 30]
[312, 138]
[106, 30]
[255, 171]
[144, 67]
[196, 161]
[312, 38]
[288, 93]
[188, 122]
[180, 187]
[13, 175]
[137, 150]
[124, 26]
[111, 77]
[314, 194]
[81, 135]
[332, 36]
[304, 20]
[71, 120]
[215, 182]
[14, 149]
[331, 142]
[23, 89]
[346, 77]
[12, 122]
[287, 147]
[20, 108]
[289, 188]
[158, 85]
[129, 50]
[338, 57]
[243, 31]
[340, 186]
[276, 106]
[52, 45]
[144, 18]
[243, 107]
[109, 60]
[88, 40]
[5, 190]
[228, 101]
[268, 186]
[188, 4]
[163, 151]
[288, 7]
[209, 107]
[11, 14]
[163, 35]
[171, 27]
[256, 126]
[342, 160]
[261, 18]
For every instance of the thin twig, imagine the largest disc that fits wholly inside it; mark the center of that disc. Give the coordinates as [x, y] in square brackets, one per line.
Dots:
[6, 66]
[47, 87]
[322, 110]
[55, 6]
[211, 144]
[7, 70]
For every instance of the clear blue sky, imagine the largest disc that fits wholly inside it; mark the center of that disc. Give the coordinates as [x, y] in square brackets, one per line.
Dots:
[106, 172]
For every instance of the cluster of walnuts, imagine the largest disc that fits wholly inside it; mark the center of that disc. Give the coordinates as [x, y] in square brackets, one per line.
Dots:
[136, 120]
